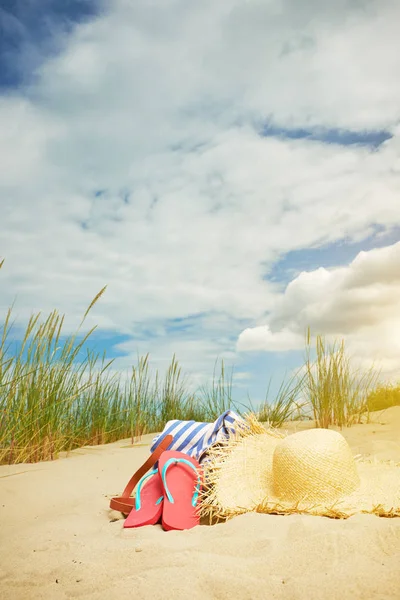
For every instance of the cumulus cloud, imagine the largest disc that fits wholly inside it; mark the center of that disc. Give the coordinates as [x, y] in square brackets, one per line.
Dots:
[359, 302]
[135, 160]
[262, 338]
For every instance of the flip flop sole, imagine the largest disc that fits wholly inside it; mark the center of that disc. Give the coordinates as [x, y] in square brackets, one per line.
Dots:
[150, 512]
[181, 481]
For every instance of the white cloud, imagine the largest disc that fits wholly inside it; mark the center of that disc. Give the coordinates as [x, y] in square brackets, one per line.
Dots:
[359, 302]
[159, 107]
[262, 338]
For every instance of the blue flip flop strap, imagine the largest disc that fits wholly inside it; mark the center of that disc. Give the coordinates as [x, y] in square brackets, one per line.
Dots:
[175, 461]
[138, 502]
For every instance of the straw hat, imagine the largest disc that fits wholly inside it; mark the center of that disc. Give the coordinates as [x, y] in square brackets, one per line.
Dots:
[311, 471]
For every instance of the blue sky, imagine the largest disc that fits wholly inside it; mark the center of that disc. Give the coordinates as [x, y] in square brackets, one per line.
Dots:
[229, 189]
[342, 137]
[328, 256]
[32, 31]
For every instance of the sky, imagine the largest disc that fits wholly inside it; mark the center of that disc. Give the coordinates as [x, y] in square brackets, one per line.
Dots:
[230, 170]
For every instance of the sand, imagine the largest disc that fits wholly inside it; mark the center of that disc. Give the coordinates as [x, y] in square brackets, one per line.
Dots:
[58, 538]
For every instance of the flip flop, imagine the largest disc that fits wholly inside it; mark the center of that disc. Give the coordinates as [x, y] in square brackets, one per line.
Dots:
[148, 502]
[181, 479]
[125, 503]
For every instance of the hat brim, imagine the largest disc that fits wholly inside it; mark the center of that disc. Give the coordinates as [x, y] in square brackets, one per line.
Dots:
[238, 475]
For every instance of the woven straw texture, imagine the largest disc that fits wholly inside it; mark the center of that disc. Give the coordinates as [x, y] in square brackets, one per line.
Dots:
[315, 465]
[312, 472]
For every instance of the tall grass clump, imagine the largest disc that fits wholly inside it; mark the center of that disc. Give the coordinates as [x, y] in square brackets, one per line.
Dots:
[46, 391]
[141, 399]
[216, 396]
[384, 396]
[287, 404]
[57, 395]
[336, 392]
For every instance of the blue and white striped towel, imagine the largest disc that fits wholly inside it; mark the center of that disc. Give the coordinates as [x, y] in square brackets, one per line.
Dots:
[194, 438]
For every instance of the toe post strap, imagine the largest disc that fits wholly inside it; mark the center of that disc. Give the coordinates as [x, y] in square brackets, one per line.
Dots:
[177, 461]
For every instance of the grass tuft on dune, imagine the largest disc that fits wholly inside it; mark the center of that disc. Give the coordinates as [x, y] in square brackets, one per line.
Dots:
[57, 395]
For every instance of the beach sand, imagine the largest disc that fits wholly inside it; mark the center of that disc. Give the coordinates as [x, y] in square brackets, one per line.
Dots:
[58, 538]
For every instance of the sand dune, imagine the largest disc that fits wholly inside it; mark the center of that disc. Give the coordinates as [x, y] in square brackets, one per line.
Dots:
[58, 539]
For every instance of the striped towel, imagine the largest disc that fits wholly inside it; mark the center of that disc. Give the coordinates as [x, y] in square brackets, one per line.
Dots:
[195, 438]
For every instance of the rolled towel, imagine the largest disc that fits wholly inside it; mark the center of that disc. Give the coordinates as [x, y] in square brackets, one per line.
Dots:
[194, 438]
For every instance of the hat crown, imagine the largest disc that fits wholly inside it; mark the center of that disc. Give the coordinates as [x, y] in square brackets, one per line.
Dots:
[314, 465]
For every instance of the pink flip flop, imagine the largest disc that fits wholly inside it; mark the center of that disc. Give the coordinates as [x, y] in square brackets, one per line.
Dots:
[181, 479]
[148, 505]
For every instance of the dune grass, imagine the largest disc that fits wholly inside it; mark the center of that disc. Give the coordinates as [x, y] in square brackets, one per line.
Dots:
[56, 395]
[336, 392]
[216, 397]
[384, 396]
[287, 406]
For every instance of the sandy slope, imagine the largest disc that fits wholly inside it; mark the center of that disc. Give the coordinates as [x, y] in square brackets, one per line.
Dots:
[58, 538]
